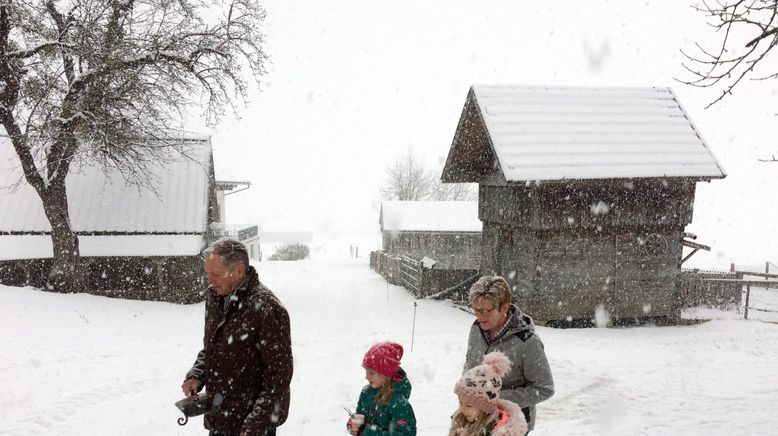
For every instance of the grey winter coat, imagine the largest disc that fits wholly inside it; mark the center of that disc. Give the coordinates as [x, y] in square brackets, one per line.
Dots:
[529, 381]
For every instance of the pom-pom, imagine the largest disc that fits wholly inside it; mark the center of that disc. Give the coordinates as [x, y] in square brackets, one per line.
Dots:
[499, 362]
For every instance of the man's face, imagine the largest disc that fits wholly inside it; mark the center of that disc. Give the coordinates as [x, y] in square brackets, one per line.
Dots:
[222, 279]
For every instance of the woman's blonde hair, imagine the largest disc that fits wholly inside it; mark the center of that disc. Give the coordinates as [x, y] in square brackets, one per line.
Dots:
[494, 289]
[482, 426]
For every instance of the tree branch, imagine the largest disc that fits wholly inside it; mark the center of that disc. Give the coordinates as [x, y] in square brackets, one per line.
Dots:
[731, 64]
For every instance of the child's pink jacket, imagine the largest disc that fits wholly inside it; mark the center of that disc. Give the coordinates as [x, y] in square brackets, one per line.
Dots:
[514, 425]
[511, 420]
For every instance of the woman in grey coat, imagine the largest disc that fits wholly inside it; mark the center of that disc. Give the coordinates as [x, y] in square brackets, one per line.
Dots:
[501, 326]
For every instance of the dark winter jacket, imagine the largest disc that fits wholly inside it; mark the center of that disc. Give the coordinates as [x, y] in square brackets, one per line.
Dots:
[529, 381]
[247, 357]
[392, 419]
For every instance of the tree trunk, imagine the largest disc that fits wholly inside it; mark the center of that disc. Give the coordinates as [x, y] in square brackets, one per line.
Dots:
[66, 274]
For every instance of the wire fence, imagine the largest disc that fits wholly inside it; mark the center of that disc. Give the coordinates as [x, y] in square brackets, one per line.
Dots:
[746, 295]
[760, 300]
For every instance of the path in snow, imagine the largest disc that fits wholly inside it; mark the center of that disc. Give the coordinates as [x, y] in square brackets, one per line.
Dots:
[85, 365]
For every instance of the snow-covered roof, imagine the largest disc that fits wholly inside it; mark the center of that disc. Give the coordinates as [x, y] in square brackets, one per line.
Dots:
[104, 203]
[39, 246]
[430, 216]
[540, 133]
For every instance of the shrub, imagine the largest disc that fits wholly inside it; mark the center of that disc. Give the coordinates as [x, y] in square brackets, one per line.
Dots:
[295, 251]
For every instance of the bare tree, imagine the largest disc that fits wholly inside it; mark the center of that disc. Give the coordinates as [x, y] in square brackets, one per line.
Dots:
[749, 32]
[452, 191]
[407, 179]
[111, 80]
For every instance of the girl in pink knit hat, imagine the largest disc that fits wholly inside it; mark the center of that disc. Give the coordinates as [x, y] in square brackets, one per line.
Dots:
[383, 407]
[481, 412]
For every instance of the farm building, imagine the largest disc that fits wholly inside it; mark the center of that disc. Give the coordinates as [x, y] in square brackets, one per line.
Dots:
[135, 243]
[584, 194]
[446, 233]
[248, 234]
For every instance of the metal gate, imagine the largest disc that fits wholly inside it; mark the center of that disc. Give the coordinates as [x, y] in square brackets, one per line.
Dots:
[758, 299]
[761, 296]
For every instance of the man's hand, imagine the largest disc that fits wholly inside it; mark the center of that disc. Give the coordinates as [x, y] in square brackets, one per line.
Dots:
[191, 386]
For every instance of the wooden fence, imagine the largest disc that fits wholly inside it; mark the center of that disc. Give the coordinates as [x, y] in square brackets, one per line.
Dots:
[411, 274]
[421, 281]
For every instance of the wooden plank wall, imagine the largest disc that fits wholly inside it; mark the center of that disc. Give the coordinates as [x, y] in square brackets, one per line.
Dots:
[179, 279]
[562, 260]
[570, 206]
[451, 250]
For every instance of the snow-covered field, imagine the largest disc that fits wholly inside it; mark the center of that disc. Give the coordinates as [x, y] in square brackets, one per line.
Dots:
[85, 365]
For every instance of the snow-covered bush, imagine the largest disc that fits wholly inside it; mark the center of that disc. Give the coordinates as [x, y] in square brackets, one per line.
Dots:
[294, 251]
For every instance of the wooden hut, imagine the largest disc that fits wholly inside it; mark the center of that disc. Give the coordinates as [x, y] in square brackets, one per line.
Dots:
[447, 232]
[584, 194]
[134, 242]
[428, 246]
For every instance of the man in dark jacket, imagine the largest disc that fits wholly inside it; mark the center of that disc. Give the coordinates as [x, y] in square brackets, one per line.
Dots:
[247, 351]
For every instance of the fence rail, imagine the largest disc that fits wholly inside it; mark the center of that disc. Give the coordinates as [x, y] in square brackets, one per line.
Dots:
[759, 296]
[766, 294]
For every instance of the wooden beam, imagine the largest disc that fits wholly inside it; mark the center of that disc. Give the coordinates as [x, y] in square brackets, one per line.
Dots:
[756, 274]
[689, 255]
[756, 283]
[694, 245]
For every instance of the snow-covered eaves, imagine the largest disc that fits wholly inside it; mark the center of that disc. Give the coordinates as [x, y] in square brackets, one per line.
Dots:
[39, 246]
[100, 202]
[541, 133]
[430, 216]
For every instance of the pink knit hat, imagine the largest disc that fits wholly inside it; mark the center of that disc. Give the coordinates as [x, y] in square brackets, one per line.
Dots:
[384, 358]
[480, 386]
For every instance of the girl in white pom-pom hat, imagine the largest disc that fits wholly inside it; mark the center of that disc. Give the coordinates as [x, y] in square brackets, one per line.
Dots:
[481, 412]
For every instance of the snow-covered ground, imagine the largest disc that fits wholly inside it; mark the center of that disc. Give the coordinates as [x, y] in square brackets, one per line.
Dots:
[86, 365]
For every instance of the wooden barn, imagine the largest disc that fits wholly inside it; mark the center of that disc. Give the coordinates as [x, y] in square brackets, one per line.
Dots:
[445, 234]
[584, 194]
[135, 243]
[448, 232]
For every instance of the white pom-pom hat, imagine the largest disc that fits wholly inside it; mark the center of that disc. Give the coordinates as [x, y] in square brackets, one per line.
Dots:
[480, 386]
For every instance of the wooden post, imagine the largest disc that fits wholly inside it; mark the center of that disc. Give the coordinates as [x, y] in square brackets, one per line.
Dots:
[748, 295]
[413, 329]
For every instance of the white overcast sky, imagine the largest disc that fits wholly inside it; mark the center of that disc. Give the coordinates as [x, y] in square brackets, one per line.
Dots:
[352, 83]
